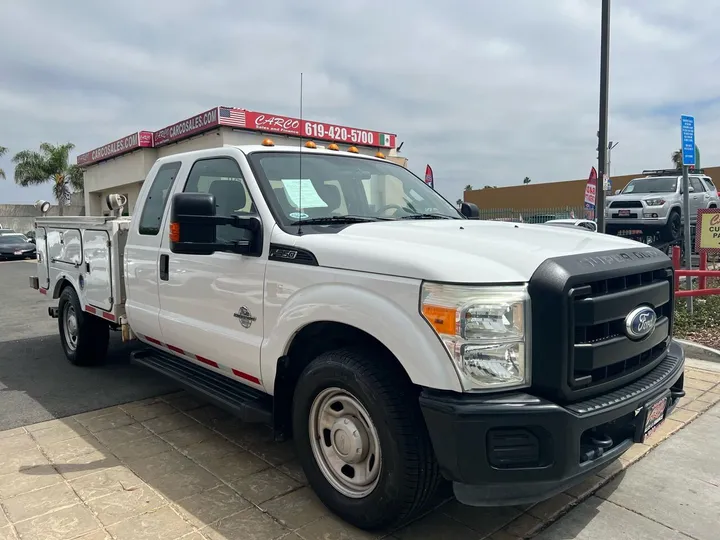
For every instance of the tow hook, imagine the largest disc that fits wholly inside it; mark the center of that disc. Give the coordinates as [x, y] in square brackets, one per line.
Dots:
[53, 312]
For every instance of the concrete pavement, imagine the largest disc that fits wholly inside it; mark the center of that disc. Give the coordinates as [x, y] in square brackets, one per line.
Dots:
[672, 494]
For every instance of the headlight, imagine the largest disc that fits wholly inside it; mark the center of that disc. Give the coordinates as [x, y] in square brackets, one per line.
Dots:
[485, 330]
[654, 202]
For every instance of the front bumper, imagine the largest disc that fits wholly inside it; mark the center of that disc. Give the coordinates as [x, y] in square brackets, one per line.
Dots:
[13, 256]
[644, 222]
[518, 449]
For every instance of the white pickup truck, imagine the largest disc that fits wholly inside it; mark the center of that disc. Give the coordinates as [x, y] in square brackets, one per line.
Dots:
[398, 340]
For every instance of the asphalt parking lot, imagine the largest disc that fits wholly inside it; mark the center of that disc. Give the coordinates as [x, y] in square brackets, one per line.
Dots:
[37, 383]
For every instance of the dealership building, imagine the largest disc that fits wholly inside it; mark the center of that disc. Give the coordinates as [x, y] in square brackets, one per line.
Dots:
[122, 165]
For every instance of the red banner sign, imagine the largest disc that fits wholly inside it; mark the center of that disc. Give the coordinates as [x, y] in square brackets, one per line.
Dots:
[191, 126]
[309, 129]
[141, 139]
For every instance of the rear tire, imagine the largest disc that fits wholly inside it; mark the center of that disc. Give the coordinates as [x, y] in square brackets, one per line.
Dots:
[84, 337]
[673, 228]
[351, 407]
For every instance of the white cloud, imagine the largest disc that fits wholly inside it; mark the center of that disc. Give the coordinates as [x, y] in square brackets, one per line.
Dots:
[487, 93]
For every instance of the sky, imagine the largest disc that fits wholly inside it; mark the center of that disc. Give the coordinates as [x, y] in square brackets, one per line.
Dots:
[485, 92]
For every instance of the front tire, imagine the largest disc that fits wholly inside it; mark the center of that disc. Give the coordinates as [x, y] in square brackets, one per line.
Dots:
[361, 439]
[673, 229]
[84, 337]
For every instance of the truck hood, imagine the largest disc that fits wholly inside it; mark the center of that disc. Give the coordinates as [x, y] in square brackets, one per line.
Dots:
[461, 251]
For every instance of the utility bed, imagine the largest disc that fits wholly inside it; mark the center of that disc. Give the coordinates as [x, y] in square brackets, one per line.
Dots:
[87, 252]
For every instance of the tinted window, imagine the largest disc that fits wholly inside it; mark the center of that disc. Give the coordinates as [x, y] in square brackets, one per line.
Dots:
[222, 178]
[156, 200]
[697, 185]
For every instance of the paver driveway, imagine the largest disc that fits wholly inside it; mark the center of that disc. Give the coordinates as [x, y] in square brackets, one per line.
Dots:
[174, 467]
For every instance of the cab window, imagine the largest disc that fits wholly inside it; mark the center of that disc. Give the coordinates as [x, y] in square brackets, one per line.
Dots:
[222, 178]
[156, 200]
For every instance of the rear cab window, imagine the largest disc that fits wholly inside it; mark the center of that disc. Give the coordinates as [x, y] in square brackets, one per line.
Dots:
[156, 200]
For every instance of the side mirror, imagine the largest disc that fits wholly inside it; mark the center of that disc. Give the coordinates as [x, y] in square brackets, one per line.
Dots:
[31, 240]
[470, 210]
[691, 189]
[193, 227]
[617, 192]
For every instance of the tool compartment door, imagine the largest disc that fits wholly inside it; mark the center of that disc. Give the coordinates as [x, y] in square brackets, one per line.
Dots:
[97, 269]
[43, 272]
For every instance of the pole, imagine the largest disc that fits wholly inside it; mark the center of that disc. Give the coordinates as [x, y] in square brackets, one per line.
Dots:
[603, 120]
[686, 233]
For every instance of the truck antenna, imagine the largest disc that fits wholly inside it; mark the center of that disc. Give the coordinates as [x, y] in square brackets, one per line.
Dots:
[300, 178]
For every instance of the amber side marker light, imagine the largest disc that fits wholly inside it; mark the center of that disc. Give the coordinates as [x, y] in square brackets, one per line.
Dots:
[333, 146]
[268, 142]
[380, 155]
[310, 144]
[354, 150]
[174, 232]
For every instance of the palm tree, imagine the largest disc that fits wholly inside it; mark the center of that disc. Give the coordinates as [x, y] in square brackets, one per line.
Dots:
[677, 159]
[468, 187]
[2, 153]
[526, 180]
[50, 164]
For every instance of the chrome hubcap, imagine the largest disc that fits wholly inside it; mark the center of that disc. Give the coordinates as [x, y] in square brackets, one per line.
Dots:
[345, 443]
[70, 327]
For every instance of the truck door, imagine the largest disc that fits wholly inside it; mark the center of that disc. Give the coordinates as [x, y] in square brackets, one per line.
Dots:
[211, 306]
[142, 252]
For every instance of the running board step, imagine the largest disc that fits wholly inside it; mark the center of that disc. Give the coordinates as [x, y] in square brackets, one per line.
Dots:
[248, 404]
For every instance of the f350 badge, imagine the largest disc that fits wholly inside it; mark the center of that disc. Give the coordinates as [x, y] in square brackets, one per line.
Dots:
[246, 318]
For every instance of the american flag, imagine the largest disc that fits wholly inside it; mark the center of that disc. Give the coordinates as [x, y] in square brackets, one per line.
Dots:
[232, 117]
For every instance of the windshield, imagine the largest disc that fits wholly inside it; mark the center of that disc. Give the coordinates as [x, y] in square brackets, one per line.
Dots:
[12, 239]
[338, 187]
[652, 185]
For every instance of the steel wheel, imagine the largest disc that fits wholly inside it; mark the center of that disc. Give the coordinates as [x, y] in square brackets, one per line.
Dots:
[345, 443]
[70, 326]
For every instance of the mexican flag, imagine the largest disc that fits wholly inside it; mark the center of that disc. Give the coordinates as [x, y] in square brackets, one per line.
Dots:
[384, 140]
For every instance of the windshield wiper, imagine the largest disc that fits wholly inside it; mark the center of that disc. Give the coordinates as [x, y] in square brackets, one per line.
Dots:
[426, 216]
[335, 219]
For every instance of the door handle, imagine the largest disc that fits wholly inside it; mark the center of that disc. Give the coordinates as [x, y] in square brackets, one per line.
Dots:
[164, 267]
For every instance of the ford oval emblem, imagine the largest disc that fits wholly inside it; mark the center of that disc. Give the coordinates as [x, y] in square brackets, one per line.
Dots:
[640, 322]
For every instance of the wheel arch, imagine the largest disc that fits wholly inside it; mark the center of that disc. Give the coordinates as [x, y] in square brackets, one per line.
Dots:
[308, 343]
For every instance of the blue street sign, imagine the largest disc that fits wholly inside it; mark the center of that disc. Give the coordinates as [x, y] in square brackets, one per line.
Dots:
[687, 127]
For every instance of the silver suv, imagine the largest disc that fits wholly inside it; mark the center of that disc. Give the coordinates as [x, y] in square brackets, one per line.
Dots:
[653, 204]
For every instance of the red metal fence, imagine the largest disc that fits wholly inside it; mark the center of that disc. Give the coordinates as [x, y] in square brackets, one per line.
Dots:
[702, 274]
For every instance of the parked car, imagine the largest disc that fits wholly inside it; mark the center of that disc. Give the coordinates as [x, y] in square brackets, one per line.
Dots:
[16, 246]
[653, 204]
[582, 223]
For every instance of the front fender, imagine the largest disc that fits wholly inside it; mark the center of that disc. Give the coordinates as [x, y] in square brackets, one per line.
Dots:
[403, 332]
